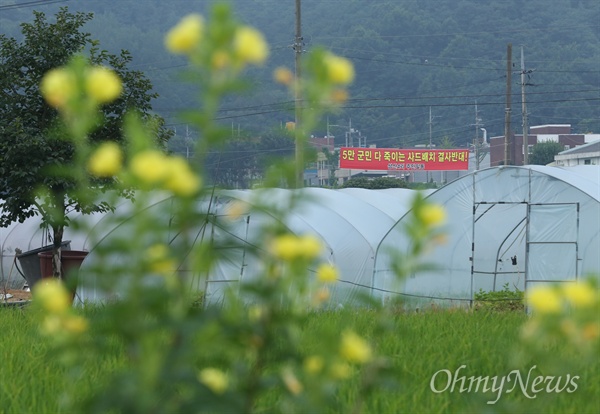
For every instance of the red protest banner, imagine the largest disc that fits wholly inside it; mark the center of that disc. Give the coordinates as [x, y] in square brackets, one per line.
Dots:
[404, 159]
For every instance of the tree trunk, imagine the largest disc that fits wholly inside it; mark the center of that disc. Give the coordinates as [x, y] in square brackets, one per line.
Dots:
[57, 231]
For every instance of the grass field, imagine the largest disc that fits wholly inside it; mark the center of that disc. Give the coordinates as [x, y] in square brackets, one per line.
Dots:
[418, 346]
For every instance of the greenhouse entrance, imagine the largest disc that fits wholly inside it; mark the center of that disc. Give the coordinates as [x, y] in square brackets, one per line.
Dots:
[517, 244]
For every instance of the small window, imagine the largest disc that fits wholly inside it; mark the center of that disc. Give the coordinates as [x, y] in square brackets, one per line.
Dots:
[587, 162]
[567, 147]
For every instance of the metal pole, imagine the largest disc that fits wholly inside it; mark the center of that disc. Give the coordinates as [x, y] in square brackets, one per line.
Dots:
[298, 109]
[524, 107]
[508, 102]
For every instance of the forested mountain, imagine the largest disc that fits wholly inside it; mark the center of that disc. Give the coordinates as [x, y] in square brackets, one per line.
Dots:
[409, 56]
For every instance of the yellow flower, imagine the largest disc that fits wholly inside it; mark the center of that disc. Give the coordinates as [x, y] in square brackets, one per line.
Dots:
[291, 382]
[150, 166]
[313, 364]
[160, 262]
[52, 325]
[75, 324]
[579, 294]
[568, 327]
[256, 312]
[544, 300]
[180, 178]
[106, 161]
[340, 370]
[52, 295]
[283, 75]
[591, 331]
[339, 69]
[103, 85]
[321, 295]
[327, 273]
[58, 86]
[432, 215]
[290, 247]
[250, 45]
[310, 247]
[285, 247]
[339, 96]
[236, 209]
[354, 348]
[216, 380]
[186, 35]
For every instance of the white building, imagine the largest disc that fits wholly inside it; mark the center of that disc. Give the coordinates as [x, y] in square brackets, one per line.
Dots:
[587, 154]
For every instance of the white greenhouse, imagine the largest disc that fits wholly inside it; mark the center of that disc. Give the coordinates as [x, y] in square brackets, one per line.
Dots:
[349, 222]
[507, 226]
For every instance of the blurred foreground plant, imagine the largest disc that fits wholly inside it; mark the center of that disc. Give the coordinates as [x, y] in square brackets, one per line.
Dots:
[225, 358]
[568, 313]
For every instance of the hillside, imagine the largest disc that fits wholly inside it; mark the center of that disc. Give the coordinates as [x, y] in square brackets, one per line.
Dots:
[410, 56]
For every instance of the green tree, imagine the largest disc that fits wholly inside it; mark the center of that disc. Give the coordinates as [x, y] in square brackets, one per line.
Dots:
[33, 141]
[544, 152]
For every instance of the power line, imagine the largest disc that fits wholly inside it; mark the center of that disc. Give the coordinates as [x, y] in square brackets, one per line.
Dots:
[30, 4]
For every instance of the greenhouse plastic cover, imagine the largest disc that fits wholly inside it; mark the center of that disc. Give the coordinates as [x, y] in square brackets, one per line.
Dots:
[512, 226]
[508, 227]
[349, 222]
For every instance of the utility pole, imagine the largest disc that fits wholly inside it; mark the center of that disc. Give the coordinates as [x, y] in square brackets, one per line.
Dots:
[476, 140]
[298, 46]
[430, 135]
[507, 114]
[524, 108]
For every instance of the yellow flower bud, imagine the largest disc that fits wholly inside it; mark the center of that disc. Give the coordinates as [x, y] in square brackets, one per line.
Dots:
[106, 161]
[340, 370]
[321, 295]
[250, 45]
[160, 261]
[310, 247]
[290, 247]
[58, 86]
[150, 166]
[579, 294]
[591, 331]
[339, 96]
[543, 299]
[75, 324]
[214, 379]
[256, 312]
[186, 35]
[52, 295]
[354, 348]
[432, 215]
[52, 325]
[313, 364]
[180, 178]
[283, 75]
[103, 85]
[339, 69]
[285, 247]
[327, 273]
[220, 59]
[235, 210]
